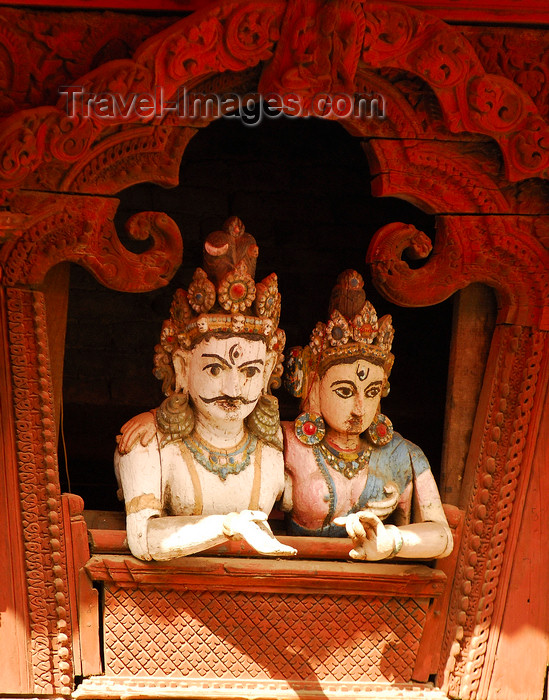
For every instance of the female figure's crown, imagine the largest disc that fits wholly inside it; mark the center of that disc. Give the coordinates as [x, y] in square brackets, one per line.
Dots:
[353, 330]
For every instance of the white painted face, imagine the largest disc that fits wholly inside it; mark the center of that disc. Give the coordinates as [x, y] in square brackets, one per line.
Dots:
[350, 395]
[226, 377]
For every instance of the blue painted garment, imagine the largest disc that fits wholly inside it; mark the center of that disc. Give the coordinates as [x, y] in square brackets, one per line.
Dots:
[399, 461]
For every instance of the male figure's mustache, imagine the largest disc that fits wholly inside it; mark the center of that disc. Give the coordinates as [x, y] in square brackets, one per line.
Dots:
[228, 399]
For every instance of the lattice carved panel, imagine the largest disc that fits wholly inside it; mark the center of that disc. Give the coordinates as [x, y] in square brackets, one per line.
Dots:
[233, 635]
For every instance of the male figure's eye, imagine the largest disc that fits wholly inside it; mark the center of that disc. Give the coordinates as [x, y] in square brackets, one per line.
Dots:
[344, 392]
[250, 371]
[214, 369]
[373, 392]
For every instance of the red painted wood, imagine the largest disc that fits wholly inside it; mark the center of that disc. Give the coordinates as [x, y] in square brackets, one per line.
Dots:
[275, 576]
[523, 644]
[504, 12]
[15, 668]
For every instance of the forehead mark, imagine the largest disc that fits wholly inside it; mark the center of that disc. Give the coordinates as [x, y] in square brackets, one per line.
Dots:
[235, 352]
[362, 373]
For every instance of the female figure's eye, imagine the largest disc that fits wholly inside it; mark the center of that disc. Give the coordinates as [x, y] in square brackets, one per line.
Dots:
[373, 392]
[214, 369]
[250, 371]
[344, 392]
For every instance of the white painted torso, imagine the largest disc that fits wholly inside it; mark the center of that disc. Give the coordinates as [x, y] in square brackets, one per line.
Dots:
[165, 474]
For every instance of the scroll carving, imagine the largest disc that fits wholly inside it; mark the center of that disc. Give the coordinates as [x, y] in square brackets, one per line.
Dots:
[495, 250]
[40, 494]
[80, 230]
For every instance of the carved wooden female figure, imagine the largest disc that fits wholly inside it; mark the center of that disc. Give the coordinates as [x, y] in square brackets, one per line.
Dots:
[348, 470]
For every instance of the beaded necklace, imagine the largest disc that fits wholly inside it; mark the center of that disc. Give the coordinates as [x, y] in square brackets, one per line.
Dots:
[222, 462]
[332, 495]
[347, 463]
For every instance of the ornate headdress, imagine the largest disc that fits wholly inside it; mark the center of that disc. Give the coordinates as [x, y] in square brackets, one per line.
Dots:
[352, 331]
[222, 298]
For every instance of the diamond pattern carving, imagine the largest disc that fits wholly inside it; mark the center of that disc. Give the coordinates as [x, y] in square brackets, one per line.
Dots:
[234, 635]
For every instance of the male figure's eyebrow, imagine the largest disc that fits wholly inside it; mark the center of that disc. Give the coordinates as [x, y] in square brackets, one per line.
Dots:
[251, 362]
[343, 381]
[216, 357]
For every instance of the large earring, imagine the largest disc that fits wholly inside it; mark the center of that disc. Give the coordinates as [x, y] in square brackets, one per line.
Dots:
[175, 418]
[380, 432]
[309, 428]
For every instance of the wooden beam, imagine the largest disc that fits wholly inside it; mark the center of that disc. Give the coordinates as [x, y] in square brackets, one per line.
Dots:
[473, 325]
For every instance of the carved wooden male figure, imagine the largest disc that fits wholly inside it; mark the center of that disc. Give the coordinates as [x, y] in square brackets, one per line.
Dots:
[214, 468]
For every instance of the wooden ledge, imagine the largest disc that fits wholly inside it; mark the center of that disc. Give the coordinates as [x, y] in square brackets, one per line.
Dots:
[107, 535]
[269, 575]
[135, 688]
[332, 548]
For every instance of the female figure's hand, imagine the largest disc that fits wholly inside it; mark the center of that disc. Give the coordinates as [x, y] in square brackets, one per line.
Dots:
[140, 428]
[372, 540]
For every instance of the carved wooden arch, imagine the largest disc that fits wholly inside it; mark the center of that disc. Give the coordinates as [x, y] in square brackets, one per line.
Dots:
[102, 157]
[47, 151]
[232, 37]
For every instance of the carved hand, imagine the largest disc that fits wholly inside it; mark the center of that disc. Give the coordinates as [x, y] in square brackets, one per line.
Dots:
[372, 540]
[253, 527]
[140, 428]
[384, 508]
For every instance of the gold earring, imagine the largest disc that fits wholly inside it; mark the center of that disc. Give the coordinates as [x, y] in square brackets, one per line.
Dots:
[380, 431]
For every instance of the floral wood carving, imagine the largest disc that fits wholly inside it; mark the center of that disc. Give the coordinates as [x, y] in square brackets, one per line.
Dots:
[498, 251]
[502, 466]
[506, 253]
[522, 55]
[39, 52]
[232, 36]
[323, 47]
[393, 36]
[40, 494]
[80, 229]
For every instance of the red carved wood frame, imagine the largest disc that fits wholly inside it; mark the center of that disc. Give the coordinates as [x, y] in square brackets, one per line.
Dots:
[495, 143]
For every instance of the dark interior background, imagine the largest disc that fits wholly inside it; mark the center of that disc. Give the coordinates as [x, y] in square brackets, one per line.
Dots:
[302, 188]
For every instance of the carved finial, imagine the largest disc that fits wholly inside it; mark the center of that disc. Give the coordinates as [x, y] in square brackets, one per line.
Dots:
[225, 250]
[348, 295]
